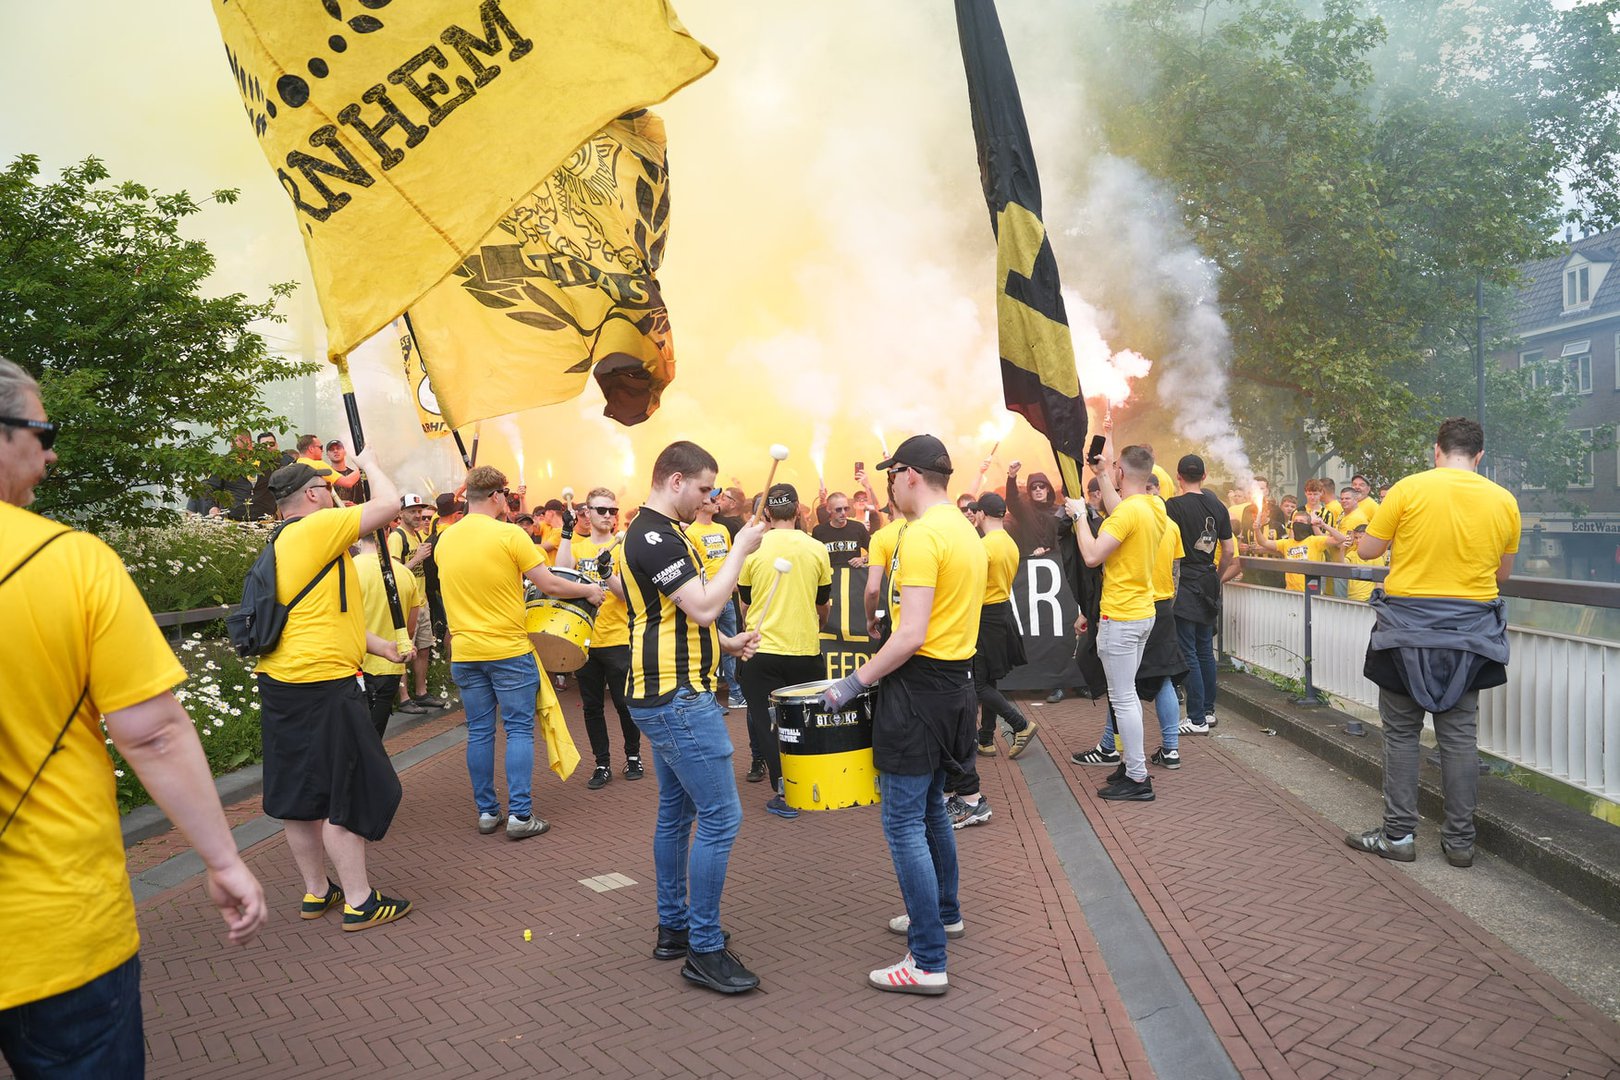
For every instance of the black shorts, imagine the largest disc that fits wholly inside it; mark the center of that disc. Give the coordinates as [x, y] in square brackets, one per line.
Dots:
[1001, 646]
[323, 760]
[926, 717]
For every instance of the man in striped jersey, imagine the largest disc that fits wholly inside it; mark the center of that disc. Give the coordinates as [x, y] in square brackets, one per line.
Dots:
[674, 664]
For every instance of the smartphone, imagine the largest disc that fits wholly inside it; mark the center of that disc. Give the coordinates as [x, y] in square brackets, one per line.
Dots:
[1094, 451]
[860, 466]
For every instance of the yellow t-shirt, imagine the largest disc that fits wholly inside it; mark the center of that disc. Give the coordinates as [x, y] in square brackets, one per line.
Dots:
[613, 618]
[1003, 555]
[404, 540]
[374, 599]
[481, 566]
[880, 549]
[325, 635]
[1361, 590]
[941, 551]
[1171, 548]
[550, 541]
[714, 542]
[1449, 529]
[1314, 548]
[75, 621]
[325, 471]
[793, 628]
[1361, 515]
[1167, 483]
[1138, 523]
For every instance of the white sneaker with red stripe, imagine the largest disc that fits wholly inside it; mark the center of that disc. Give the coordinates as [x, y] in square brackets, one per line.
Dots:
[907, 978]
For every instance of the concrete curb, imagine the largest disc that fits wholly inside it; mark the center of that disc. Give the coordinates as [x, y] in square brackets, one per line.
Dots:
[145, 822]
[1572, 852]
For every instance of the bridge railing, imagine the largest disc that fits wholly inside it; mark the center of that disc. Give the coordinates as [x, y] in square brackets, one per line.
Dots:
[1559, 713]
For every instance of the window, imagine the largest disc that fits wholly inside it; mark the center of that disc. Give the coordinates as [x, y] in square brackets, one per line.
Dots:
[1583, 478]
[1530, 366]
[1577, 287]
[1578, 354]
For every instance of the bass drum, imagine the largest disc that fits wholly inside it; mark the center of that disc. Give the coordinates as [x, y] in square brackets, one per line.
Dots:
[559, 630]
[826, 754]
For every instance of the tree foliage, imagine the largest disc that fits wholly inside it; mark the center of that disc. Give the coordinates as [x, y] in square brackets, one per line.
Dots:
[100, 299]
[1352, 170]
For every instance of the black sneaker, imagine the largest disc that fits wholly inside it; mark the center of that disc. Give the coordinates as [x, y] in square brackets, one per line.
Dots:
[736, 701]
[316, 906]
[1097, 755]
[1170, 759]
[1456, 856]
[428, 701]
[756, 772]
[633, 769]
[672, 943]
[599, 778]
[1374, 842]
[1054, 697]
[720, 971]
[377, 909]
[1117, 775]
[1127, 790]
[409, 706]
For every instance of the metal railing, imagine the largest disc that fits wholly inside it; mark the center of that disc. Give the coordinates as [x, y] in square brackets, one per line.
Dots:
[1559, 713]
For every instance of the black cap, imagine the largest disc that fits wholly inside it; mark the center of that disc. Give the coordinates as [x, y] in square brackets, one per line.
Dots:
[782, 495]
[920, 452]
[292, 478]
[992, 505]
[1190, 467]
[445, 503]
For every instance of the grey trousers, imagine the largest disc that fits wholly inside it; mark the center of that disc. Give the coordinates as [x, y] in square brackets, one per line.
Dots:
[1120, 646]
[1456, 733]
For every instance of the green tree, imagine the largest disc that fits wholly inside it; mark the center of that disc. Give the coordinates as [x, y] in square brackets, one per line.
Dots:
[100, 300]
[1352, 184]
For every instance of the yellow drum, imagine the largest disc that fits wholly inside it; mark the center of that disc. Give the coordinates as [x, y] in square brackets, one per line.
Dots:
[560, 630]
[826, 754]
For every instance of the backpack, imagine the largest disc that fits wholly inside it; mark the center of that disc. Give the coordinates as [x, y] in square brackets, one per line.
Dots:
[255, 627]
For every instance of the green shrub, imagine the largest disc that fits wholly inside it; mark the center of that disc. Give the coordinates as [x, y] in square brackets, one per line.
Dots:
[189, 563]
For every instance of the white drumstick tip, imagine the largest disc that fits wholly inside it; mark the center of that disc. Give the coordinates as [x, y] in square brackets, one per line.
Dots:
[782, 566]
[779, 452]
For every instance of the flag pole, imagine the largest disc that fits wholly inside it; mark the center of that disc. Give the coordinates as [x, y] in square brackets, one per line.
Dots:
[351, 409]
[416, 343]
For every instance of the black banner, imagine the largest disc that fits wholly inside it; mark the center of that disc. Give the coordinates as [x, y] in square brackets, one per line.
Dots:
[1043, 606]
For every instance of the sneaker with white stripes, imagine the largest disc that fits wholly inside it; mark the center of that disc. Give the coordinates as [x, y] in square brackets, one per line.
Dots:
[907, 978]
[901, 924]
[1188, 727]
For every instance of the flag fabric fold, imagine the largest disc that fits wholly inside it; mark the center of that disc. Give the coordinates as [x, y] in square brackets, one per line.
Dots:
[418, 384]
[562, 288]
[1038, 374]
[402, 132]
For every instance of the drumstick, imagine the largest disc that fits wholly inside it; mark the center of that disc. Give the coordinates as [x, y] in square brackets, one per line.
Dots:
[781, 566]
[779, 454]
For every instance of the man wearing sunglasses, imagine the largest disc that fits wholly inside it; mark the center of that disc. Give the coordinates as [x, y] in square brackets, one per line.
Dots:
[926, 714]
[86, 652]
[607, 665]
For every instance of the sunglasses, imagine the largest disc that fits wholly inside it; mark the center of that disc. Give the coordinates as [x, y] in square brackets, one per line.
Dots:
[44, 430]
[898, 469]
[608, 510]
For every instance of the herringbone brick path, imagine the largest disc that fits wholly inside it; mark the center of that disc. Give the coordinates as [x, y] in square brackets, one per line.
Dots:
[454, 990]
[1310, 959]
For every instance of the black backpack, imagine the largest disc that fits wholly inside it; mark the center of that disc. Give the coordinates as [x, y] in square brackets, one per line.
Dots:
[255, 627]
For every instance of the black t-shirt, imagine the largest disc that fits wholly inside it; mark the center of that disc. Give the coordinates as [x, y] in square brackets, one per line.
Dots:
[1204, 523]
[731, 524]
[843, 544]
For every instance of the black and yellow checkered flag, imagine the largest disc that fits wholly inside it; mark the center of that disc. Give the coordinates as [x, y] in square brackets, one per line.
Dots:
[1038, 375]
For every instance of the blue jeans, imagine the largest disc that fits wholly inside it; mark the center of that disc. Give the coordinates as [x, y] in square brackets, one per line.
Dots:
[91, 1032]
[691, 753]
[727, 624]
[511, 685]
[1168, 709]
[923, 847]
[1198, 646]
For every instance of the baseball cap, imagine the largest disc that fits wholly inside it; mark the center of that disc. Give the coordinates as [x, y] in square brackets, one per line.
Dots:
[446, 504]
[992, 505]
[292, 478]
[920, 452]
[411, 499]
[1190, 467]
[782, 495]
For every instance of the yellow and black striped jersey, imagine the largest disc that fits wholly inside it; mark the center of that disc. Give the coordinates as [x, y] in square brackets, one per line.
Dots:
[668, 650]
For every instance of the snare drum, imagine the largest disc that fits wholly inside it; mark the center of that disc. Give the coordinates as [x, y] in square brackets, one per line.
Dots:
[826, 754]
[560, 630]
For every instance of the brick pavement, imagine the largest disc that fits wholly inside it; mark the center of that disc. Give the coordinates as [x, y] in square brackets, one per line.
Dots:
[454, 990]
[1309, 960]
[1312, 960]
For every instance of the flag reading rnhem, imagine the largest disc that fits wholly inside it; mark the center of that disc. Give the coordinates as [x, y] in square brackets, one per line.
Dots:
[403, 131]
[1038, 374]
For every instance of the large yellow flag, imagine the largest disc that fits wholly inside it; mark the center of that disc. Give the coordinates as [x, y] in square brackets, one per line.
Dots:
[402, 131]
[563, 286]
[417, 382]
